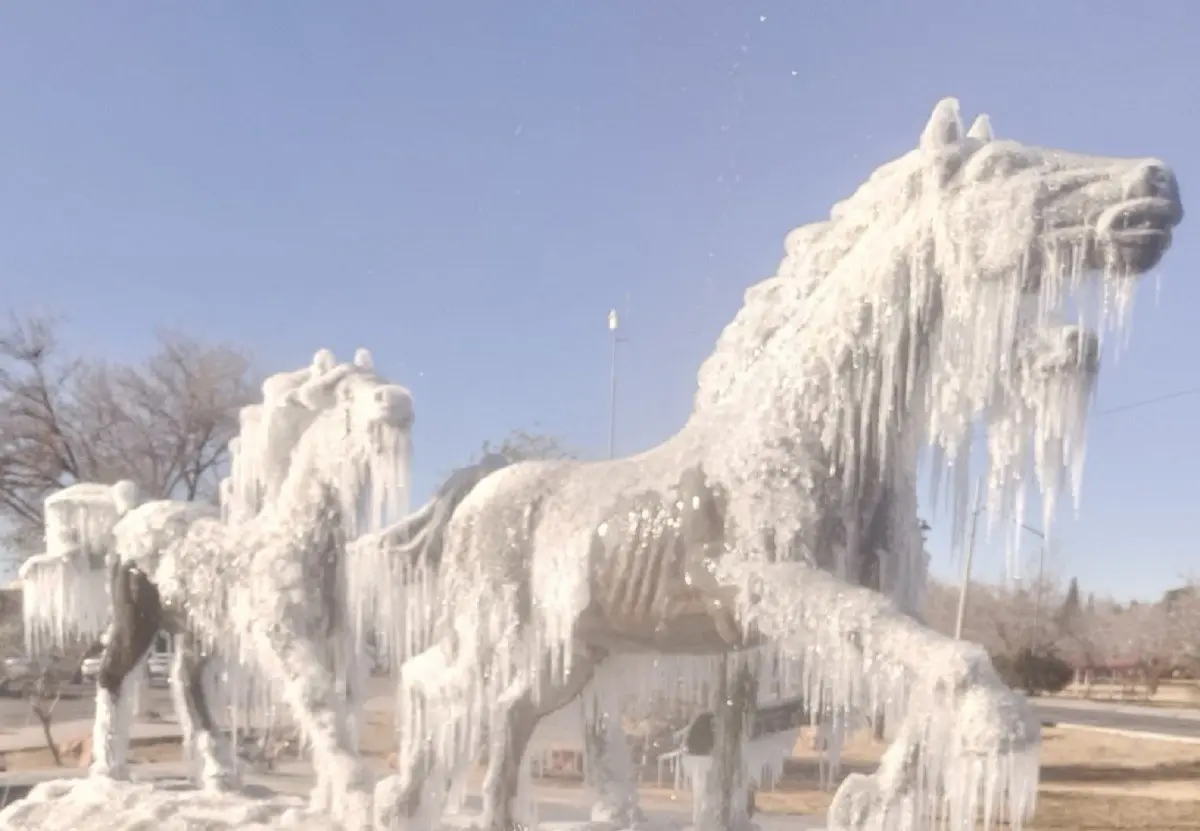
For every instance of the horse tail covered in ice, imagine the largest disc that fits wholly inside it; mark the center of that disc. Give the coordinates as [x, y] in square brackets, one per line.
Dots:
[392, 573]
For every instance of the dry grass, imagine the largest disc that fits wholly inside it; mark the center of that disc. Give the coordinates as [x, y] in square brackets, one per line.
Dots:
[1091, 781]
[1170, 695]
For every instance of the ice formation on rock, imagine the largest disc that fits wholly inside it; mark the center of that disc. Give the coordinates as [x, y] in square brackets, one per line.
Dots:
[896, 325]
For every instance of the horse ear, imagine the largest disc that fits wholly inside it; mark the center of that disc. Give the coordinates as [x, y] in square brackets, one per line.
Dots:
[944, 127]
[981, 130]
[363, 360]
[323, 361]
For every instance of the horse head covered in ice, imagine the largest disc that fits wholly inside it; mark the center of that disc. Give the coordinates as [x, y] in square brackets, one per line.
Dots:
[304, 407]
[269, 589]
[923, 308]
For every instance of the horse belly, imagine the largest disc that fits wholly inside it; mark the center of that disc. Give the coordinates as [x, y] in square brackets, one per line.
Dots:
[645, 600]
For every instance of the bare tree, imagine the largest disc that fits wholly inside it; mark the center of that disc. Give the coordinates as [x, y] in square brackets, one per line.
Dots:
[520, 445]
[165, 423]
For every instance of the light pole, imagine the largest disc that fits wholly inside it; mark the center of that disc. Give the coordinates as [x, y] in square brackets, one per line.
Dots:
[612, 387]
[1035, 635]
[966, 573]
[964, 588]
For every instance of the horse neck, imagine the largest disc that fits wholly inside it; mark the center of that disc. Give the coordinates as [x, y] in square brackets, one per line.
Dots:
[308, 473]
[827, 411]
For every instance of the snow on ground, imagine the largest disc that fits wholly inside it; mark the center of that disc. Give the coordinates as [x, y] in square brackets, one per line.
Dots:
[96, 804]
[104, 805]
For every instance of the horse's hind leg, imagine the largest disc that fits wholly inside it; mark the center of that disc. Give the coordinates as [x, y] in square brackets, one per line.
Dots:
[201, 732]
[502, 806]
[609, 767]
[137, 615]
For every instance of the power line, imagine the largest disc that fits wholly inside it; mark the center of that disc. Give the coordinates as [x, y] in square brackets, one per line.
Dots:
[1149, 401]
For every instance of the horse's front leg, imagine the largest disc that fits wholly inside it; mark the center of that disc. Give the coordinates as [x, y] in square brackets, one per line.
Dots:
[981, 737]
[428, 698]
[137, 613]
[885, 798]
[288, 651]
[609, 766]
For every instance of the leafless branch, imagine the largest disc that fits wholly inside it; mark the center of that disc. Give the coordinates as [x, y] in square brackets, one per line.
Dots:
[165, 423]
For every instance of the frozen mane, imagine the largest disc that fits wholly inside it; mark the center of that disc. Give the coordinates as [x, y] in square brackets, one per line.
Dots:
[346, 408]
[901, 318]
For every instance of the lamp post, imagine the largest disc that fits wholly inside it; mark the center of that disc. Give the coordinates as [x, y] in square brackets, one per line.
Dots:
[964, 588]
[613, 323]
[1035, 635]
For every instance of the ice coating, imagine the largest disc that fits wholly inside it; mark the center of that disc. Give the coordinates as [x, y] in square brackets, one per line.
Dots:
[901, 324]
[133, 806]
[374, 478]
[920, 309]
[65, 589]
[264, 586]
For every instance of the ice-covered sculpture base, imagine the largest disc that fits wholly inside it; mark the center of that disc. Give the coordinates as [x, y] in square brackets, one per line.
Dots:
[101, 804]
[97, 803]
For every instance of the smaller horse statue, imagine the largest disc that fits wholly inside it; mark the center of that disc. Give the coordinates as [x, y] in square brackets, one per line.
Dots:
[267, 592]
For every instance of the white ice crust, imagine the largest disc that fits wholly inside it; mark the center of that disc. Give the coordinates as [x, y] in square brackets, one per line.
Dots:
[65, 590]
[926, 308]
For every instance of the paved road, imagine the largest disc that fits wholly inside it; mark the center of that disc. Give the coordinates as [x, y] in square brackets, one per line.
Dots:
[79, 704]
[15, 712]
[1184, 724]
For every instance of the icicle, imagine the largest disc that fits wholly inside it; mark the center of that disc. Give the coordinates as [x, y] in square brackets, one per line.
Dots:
[65, 590]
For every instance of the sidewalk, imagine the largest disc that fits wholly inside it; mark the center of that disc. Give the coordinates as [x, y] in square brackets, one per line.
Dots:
[32, 737]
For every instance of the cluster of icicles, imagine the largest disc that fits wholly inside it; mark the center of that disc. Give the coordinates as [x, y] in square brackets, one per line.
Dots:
[825, 352]
[301, 425]
[65, 589]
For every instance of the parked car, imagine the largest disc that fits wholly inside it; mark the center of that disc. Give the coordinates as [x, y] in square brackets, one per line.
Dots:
[160, 664]
[90, 668]
[18, 668]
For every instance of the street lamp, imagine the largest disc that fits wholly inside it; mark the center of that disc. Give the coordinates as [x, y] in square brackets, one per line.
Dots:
[1035, 635]
[964, 588]
[612, 388]
[970, 553]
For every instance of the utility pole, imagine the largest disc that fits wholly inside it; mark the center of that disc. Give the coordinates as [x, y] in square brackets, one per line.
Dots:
[612, 388]
[1035, 636]
[964, 588]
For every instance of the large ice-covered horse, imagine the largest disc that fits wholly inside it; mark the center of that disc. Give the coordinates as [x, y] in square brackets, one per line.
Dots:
[893, 326]
[269, 590]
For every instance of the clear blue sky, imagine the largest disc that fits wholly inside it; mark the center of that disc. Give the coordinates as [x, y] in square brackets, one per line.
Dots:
[466, 188]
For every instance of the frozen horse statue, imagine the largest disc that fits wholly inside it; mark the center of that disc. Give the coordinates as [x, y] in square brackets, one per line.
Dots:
[889, 328]
[268, 591]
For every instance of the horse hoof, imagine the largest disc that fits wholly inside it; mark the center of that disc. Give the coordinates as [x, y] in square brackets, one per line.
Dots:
[389, 796]
[117, 773]
[225, 782]
[358, 812]
[320, 800]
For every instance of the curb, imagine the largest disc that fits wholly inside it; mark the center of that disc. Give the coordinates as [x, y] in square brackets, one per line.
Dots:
[1132, 734]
